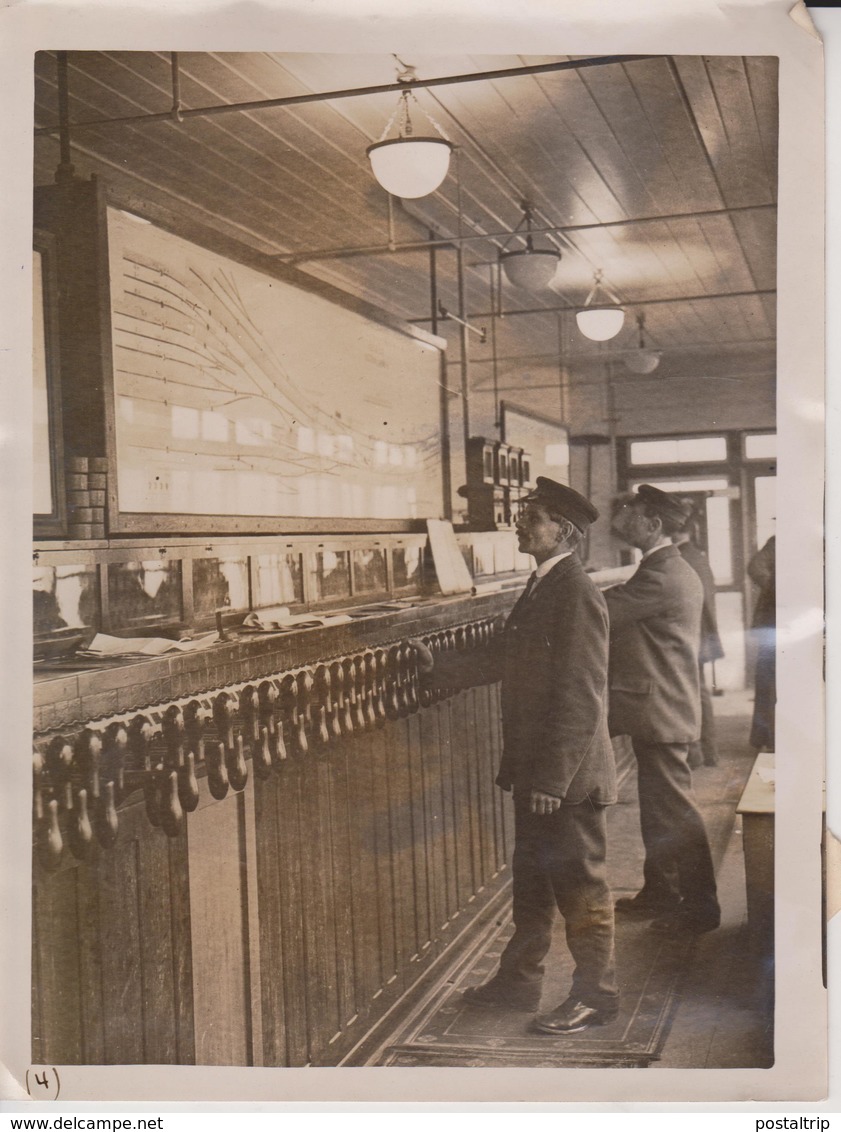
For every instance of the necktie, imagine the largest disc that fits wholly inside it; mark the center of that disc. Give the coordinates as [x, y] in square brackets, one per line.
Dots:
[530, 587]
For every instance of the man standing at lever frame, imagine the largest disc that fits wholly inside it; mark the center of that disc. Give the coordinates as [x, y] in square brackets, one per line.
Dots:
[655, 634]
[558, 761]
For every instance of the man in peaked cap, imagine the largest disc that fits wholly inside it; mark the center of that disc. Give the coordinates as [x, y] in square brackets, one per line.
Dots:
[655, 632]
[557, 760]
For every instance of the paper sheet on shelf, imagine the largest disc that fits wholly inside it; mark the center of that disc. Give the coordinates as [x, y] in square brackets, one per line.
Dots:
[103, 645]
[279, 617]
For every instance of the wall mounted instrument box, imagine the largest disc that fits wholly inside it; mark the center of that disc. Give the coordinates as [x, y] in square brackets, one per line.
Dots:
[497, 478]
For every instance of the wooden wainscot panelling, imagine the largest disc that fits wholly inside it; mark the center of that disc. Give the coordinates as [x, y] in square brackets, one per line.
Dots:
[111, 952]
[261, 874]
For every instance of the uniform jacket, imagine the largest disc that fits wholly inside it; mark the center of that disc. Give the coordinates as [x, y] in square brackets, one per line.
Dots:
[711, 647]
[552, 661]
[655, 634]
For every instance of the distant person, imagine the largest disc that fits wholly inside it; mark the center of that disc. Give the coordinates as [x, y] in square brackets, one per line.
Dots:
[703, 752]
[655, 640]
[557, 760]
[762, 572]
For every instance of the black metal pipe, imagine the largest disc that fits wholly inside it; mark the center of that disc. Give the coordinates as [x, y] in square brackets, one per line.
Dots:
[443, 242]
[360, 92]
[176, 86]
[625, 303]
[65, 170]
[444, 398]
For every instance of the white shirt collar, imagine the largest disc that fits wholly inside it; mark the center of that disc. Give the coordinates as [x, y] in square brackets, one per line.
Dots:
[659, 546]
[544, 567]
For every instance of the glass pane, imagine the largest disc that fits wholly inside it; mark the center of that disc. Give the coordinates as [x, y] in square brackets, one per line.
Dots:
[64, 597]
[761, 446]
[369, 575]
[220, 583]
[406, 562]
[483, 557]
[692, 449]
[719, 541]
[765, 495]
[144, 593]
[279, 580]
[330, 575]
[504, 551]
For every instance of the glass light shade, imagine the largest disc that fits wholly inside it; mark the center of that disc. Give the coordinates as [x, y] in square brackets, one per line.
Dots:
[410, 167]
[531, 268]
[600, 323]
[643, 361]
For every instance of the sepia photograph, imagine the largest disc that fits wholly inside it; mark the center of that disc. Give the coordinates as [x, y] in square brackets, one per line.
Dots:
[405, 435]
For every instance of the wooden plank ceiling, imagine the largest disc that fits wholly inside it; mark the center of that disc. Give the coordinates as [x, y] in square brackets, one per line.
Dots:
[659, 171]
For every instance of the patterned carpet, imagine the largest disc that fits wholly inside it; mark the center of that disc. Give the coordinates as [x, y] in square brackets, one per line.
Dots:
[444, 1031]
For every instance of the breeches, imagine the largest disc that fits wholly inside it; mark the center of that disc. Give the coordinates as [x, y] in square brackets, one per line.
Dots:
[559, 862]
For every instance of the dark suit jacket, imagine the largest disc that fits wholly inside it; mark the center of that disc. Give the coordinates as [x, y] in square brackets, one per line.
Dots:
[552, 660]
[655, 635]
[711, 647]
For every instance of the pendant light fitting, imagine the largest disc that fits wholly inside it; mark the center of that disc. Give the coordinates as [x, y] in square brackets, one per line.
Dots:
[529, 267]
[410, 165]
[642, 360]
[601, 321]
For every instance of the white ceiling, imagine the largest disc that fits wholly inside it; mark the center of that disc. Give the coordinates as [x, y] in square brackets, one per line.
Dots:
[659, 171]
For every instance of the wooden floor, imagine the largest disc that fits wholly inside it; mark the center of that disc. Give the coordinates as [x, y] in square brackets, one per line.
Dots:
[707, 1004]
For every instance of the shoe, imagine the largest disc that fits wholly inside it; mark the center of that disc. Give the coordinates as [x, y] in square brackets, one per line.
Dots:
[645, 907]
[497, 992]
[685, 923]
[572, 1016]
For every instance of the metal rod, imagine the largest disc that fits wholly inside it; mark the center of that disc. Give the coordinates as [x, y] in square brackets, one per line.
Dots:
[65, 170]
[444, 392]
[627, 303]
[495, 368]
[622, 351]
[176, 87]
[464, 355]
[361, 92]
[442, 242]
[448, 315]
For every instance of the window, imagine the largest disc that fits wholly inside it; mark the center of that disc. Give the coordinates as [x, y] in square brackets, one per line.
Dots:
[761, 446]
[685, 450]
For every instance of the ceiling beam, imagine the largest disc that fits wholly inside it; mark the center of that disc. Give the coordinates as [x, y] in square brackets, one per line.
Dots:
[178, 113]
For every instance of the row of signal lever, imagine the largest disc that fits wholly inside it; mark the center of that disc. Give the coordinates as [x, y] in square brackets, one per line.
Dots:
[79, 782]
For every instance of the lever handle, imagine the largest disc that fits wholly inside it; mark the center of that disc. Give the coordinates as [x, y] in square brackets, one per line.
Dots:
[304, 690]
[50, 843]
[217, 771]
[114, 751]
[37, 787]
[342, 694]
[172, 816]
[269, 695]
[425, 694]
[59, 762]
[196, 717]
[237, 767]
[368, 664]
[354, 684]
[107, 821]
[188, 787]
[88, 755]
[80, 830]
[387, 664]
